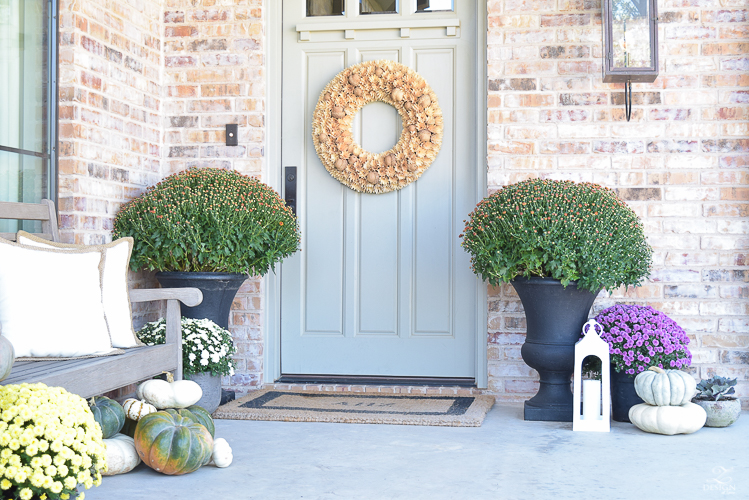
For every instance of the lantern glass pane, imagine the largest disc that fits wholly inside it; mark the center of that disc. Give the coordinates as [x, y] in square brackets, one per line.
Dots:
[631, 34]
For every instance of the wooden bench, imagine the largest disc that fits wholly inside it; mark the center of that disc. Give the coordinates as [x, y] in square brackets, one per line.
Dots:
[93, 376]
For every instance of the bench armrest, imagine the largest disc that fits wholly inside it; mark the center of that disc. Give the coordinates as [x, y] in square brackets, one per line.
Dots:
[189, 296]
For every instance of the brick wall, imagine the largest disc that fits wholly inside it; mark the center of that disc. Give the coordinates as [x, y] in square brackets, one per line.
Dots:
[110, 112]
[213, 75]
[146, 91]
[680, 162]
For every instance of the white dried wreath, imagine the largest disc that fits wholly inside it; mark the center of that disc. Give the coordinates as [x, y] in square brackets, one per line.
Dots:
[352, 89]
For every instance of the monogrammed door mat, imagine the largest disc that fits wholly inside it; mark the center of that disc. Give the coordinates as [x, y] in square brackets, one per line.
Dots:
[358, 408]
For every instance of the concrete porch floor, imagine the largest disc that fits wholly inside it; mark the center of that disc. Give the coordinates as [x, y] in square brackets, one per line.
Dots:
[505, 458]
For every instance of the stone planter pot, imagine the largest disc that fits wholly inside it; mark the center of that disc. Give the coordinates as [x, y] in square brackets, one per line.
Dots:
[623, 395]
[219, 290]
[211, 385]
[720, 413]
[555, 316]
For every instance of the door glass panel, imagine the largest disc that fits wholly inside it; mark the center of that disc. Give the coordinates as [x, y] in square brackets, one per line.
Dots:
[325, 8]
[378, 6]
[434, 5]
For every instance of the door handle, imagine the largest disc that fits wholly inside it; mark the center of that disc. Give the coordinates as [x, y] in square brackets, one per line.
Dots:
[289, 188]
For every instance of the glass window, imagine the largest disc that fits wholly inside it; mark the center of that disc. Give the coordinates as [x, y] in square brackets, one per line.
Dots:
[325, 8]
[378, 6]
[433, 5]
[631, 34]
[28, 99]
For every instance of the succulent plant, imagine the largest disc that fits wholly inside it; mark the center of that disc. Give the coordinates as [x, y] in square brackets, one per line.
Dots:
[715, 388]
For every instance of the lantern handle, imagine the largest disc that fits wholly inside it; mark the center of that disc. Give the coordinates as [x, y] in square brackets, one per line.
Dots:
[595, 325]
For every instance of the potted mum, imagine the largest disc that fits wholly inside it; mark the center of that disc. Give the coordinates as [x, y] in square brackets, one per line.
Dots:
[558, 243]
[50, 443]
[210, 229]
[639, 337]
[207, 351]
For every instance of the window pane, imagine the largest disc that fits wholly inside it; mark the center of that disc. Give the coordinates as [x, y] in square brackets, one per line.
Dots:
[631, 34]
[23, 74]
[378, 6]
[433, 5]
[325, 8]
[21, 179]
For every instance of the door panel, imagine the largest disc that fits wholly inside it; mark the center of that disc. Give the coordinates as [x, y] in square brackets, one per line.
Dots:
[381, 286]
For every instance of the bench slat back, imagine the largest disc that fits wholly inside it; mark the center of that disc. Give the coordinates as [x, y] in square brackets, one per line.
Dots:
[44, 212]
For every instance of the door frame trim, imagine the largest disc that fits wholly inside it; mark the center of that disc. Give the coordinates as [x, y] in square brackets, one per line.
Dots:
[273, 170]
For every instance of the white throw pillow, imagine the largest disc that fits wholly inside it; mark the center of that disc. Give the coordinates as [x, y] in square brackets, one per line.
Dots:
[50, 302]
[114, 291]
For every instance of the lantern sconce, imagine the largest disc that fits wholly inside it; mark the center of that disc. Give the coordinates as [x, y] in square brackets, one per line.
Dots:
[630, 44]
[596, 394]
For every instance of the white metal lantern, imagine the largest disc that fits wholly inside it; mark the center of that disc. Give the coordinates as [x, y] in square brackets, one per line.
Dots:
[596, 394]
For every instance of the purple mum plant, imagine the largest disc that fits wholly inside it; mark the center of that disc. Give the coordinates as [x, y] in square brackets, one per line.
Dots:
[640, 337]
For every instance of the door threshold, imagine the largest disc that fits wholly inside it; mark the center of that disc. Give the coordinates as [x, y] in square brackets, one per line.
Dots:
[374, 380]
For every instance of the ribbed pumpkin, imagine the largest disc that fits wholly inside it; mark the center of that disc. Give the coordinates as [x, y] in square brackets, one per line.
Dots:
[172, 444]
[7, 356]
[108, 413]
[660, 387]
[135, 409]
[198, 415]
[121, 455]
[668, 420]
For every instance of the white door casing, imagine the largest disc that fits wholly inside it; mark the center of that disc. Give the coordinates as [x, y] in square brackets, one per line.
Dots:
[381, 286]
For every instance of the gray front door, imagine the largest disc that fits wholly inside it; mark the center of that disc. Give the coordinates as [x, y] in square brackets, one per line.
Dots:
[381, 286]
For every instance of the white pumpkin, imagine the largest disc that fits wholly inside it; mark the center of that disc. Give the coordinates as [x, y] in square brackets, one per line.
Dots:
[135, 409]
[668, 420]
[660, 387]
[169, 393]
[121, 455]
[222, 454]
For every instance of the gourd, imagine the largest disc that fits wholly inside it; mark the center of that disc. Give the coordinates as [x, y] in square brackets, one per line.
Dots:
[135, 409]
[108, 413]
[660, 387]
[169, 393]
[121, 455]
[668, 420]
[222, 455]
[198, 415]
[172, 444]
[7, 356]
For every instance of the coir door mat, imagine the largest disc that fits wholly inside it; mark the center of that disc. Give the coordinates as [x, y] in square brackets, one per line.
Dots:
[359, 408]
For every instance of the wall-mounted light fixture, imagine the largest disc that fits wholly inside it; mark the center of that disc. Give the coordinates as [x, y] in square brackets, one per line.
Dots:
[630, 44]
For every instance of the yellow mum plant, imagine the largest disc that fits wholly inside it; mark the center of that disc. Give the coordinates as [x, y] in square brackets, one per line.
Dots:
[50, 443]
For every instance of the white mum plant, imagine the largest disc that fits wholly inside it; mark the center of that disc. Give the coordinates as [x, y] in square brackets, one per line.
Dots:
[206, 347]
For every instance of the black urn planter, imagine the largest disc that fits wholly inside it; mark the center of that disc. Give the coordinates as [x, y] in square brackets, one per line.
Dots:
[218, 290]
[623, 395]
[555, 316]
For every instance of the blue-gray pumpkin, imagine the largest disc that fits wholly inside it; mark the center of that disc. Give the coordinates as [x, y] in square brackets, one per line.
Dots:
[108, 413]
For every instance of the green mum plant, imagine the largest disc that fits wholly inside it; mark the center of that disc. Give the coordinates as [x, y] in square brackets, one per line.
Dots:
[568, 231]
[208, 220]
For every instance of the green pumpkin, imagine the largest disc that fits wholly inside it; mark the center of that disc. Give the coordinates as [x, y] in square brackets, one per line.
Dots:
[198, 415]
[172, 444]
[129, 428]
[7, 356]
[108, 413]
